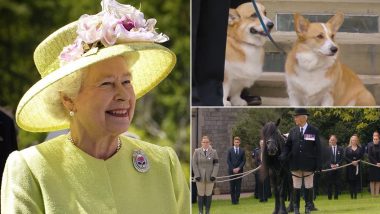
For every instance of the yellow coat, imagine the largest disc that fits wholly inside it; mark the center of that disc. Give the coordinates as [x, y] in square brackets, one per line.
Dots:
[57, 177]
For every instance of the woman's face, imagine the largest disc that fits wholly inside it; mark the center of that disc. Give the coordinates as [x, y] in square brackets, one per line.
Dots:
[205, 143]
[106, 101]
[354, 140]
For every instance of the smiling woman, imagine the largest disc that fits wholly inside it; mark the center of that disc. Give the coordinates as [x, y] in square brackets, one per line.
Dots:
[93, 70]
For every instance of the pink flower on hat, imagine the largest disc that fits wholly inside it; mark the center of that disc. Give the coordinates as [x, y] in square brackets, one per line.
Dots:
[71, 52]
[89, 28]
[115, 24]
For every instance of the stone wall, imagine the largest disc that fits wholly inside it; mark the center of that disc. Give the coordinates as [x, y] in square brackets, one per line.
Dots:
[217, 123]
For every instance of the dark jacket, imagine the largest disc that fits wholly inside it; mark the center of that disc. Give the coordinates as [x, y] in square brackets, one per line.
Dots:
[353, 172]
[304, 154]
[374, 157]
[339, 156]
[235, 160]
[8, 139]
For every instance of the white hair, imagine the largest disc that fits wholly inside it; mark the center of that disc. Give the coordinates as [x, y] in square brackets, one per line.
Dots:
[69, 86]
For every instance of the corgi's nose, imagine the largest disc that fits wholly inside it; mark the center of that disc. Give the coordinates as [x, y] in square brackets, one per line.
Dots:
[334, 49]
[270, 25]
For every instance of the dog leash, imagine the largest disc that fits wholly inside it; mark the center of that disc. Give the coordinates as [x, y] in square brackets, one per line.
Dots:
[264, 27]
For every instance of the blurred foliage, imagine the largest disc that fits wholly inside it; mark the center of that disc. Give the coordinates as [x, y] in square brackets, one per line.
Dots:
[343, 122]
[162, 116]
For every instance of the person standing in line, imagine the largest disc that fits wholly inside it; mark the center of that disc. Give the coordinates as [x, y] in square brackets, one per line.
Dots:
[375, 133]
[262, 187]
[336, 160]
[304, 149]
[353, 154]
[205, 167]
[374, 172]
[235, 162]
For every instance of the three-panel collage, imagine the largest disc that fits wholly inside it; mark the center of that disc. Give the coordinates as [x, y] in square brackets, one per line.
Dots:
[190, 107]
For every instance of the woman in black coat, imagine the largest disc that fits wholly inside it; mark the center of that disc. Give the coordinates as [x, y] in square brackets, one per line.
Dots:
[353, 154]
[262, 187]
[374, 172]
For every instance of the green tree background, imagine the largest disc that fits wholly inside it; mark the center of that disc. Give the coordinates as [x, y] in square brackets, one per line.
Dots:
[162, 116]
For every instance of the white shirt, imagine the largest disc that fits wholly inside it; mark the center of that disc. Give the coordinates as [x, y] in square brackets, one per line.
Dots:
[304, 128]
[236, 149]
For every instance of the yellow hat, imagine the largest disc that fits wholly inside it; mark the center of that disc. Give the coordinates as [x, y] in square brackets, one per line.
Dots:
[117, 30]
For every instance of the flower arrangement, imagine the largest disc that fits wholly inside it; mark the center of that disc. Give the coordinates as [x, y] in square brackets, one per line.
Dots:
[115, 24]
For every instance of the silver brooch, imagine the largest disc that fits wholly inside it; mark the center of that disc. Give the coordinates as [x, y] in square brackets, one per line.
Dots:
[140, 161]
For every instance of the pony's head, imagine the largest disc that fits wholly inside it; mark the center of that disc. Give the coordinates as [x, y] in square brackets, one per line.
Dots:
[272, 138]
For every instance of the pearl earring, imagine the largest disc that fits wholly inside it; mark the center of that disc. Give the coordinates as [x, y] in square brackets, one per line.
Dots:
[71, 113]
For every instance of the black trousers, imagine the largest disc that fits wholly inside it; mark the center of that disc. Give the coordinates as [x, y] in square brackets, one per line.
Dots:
[209, 34]
[354, 187]
[333, 183]
[235, 187]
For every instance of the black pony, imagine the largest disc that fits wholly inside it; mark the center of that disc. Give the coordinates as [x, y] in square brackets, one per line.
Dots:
[274, 143]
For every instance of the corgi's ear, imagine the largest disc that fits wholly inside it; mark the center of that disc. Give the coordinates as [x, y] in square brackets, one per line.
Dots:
[300, 24]
[233, 17]
[336, 21]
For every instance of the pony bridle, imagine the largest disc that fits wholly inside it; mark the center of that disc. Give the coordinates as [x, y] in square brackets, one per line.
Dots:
[273, 150]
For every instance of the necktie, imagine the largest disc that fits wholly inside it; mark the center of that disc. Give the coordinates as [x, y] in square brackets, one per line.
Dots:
[334, 154]
[302, 133]
[205, 152]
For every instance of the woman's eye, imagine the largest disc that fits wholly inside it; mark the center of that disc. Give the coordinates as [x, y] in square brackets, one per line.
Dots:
[106, 83]
[126, 82]
[320, 36]
[254, 15]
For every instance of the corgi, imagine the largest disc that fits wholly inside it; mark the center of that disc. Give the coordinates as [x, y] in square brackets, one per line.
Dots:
[314, 74]
[244, 51]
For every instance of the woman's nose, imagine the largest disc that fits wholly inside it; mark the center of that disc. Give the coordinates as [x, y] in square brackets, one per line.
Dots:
[121, 93]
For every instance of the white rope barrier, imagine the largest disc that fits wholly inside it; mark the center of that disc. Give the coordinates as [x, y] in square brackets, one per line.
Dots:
[338, 167]
[240, 175]
[369, 163]
[247, 173]
[243, 174]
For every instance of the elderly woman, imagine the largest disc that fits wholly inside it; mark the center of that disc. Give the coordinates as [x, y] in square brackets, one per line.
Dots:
[353, 154]
[205, 166]
[91, 87]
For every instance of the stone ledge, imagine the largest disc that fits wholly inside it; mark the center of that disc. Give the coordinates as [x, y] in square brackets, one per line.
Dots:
[277, 79]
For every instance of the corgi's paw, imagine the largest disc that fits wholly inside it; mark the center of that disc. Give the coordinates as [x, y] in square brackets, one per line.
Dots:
[237, 101]
[226, 103]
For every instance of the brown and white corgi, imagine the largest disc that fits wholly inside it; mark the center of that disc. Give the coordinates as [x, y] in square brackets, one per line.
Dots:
[314, 74]
[244, 51]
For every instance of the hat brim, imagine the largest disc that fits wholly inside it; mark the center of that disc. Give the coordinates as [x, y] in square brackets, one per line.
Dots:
[154, 63]
[307, 114]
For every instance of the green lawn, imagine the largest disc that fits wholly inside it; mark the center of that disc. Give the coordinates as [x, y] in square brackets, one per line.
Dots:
[363, 205]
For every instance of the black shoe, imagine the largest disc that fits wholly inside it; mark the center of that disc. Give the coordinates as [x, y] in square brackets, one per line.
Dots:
[252, 100]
